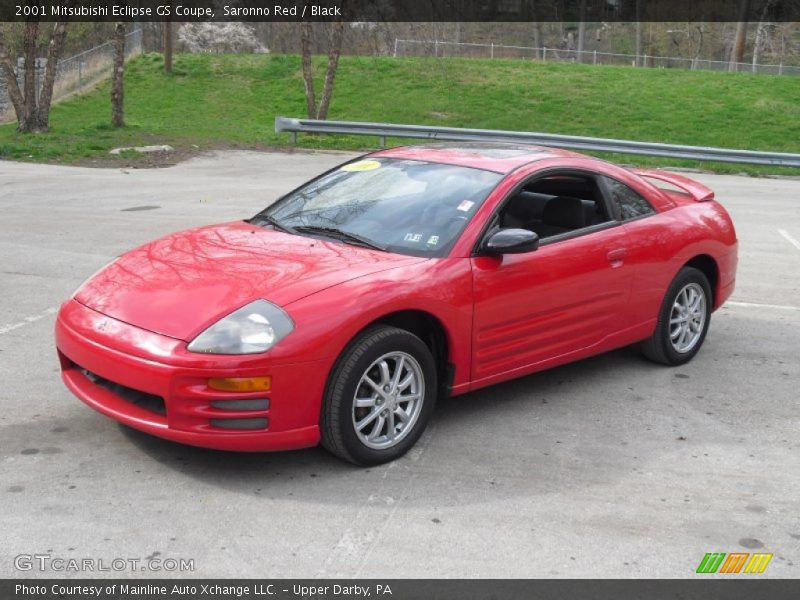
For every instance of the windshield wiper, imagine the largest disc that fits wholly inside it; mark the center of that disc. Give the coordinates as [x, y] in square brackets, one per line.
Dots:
[273, 221]
[344, 236]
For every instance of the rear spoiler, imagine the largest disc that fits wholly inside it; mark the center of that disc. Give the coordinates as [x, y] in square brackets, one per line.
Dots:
[697, 191]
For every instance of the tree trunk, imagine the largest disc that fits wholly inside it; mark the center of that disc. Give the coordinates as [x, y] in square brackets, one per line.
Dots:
[168, 46]
[638, 60]
[117, 113]
[532, 15]
[582, 30]
[308, 69]
[537, 40]
[29, 78]
[32, 109]
[701, 30]
[41, 121]
[737, 52]
[12, 85]
[334, 51]
[760, 34]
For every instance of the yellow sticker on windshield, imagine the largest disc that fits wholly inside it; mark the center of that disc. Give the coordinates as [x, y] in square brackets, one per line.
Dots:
[362, 165]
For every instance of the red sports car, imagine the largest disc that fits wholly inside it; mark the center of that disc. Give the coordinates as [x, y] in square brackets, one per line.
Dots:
[344, 310]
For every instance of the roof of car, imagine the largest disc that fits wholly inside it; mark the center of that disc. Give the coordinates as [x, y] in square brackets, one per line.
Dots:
[502, 158]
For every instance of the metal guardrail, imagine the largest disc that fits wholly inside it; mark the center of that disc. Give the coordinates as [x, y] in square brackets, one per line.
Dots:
[384, 130]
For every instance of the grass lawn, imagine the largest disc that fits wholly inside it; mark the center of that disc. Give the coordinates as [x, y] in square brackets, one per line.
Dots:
[231, 102]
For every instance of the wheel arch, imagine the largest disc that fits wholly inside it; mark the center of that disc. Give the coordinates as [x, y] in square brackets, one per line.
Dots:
[432, 331]
[709, 267]
[427, 327]
[336, 437]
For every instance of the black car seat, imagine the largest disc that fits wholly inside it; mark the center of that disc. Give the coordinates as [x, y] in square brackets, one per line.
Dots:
[524, 210]
[591, 215]
[560, 215]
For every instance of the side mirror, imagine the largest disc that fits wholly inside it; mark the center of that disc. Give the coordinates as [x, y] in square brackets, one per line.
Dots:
[511, 241]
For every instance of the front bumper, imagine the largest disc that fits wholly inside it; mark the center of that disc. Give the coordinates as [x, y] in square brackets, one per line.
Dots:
[140, 379]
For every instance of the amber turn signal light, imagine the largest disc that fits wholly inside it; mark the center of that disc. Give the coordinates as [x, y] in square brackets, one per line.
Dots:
[241, 384]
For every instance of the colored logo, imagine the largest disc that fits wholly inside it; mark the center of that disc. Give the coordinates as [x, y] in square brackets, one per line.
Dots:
[735, 562]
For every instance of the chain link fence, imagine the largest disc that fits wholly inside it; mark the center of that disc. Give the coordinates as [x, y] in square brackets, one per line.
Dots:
[75, 73]
[443, 49]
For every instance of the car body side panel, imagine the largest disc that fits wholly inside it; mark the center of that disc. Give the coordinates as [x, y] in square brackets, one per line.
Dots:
[563, 297]
[663, 243]
[329, 320]
[657, 247]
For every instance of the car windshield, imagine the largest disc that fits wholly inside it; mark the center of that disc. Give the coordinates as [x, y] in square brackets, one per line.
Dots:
[404, 206]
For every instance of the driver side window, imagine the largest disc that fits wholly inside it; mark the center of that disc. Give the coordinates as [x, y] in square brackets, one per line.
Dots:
[554, 205]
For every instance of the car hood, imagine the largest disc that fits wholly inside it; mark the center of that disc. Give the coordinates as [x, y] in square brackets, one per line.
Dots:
[182, 283]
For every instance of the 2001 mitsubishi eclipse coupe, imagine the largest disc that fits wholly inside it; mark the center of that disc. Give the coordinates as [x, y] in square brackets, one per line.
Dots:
[340, 313]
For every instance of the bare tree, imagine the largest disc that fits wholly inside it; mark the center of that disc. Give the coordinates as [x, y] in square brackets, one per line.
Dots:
[117, 112]
[334, 52]
[638, 33]
[32, 109]
[14, 93]
[737, 51]
[701, 30]
[760, 33]
[29, 76]
[537, 39]
[582, 30]
[308, 68]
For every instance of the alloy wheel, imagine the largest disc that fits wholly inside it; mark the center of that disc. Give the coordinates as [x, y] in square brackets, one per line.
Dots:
[388, 400]
[687, 318]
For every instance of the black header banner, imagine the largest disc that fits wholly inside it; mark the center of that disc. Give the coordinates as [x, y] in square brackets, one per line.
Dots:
[402, 10]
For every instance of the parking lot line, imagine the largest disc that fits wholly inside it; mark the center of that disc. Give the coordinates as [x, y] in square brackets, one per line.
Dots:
[789, 237]
[759, 305]
[27, 321]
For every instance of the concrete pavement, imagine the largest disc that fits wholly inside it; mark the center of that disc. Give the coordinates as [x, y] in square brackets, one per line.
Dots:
[610, 467]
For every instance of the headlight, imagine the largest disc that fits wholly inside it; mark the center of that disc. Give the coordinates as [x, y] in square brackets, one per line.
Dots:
[251, 329]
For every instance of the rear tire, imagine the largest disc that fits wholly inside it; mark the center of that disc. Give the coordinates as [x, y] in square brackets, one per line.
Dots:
[379, 398]
[682, 321]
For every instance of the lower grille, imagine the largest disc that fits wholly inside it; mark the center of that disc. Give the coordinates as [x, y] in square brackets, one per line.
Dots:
[254, 404]
[253, 423]
[141, 399]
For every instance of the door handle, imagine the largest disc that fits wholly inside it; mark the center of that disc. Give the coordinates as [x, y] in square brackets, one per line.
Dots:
[617, 256]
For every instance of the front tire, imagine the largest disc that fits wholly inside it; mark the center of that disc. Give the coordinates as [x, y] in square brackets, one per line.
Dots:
[682, 321]
[379, 397]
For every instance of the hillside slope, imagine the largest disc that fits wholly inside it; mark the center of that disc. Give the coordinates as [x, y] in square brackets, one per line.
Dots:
[232, 100]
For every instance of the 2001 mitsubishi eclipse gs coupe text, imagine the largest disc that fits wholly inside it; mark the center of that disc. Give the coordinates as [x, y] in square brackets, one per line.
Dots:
[340, 313]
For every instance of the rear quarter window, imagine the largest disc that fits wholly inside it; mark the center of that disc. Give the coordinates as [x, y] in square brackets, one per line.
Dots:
[629, 203]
